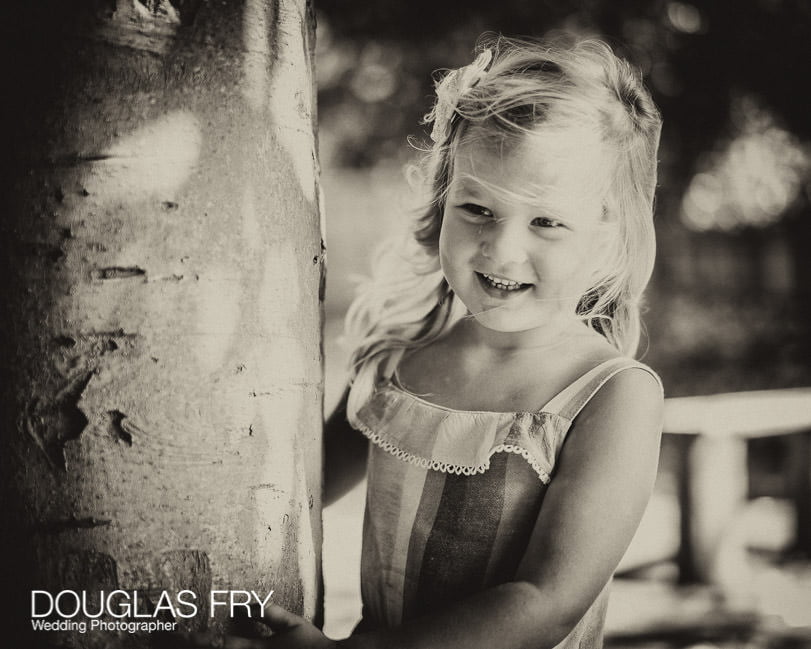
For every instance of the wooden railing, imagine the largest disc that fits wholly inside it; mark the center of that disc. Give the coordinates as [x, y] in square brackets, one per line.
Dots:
[711, 434]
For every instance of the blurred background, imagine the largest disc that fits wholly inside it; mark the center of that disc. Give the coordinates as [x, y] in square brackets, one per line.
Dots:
[728, 307]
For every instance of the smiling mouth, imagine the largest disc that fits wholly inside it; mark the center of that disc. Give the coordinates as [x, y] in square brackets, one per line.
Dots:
[501, 284]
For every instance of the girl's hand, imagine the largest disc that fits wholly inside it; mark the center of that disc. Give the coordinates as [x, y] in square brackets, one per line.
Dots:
[290, 631]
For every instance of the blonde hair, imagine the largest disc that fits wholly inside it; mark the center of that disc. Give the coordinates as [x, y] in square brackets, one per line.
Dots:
[527, 85]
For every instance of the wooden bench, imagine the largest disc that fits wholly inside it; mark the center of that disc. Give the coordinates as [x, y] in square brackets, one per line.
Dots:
[711, 434]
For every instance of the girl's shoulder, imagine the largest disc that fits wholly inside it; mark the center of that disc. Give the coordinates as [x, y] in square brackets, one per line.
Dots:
[582, 371]
[617, 383]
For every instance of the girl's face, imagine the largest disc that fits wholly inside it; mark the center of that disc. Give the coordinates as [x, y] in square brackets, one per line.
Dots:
[523, 231]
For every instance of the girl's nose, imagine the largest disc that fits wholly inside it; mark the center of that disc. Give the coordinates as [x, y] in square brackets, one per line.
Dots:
[504, 242]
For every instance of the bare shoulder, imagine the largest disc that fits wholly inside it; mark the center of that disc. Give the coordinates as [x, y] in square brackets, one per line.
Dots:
[615, 438]
[631, 386]
[629, 403]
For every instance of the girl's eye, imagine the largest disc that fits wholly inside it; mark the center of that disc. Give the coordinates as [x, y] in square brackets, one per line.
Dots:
[545, 222]
[477, 210]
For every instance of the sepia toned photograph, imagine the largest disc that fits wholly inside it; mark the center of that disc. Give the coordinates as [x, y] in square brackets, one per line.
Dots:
[406, 325]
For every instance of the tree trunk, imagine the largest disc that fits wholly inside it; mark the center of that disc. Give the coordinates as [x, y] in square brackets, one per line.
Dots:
[162, 383]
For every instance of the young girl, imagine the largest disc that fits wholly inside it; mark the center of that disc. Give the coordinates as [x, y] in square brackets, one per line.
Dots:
[514, 441]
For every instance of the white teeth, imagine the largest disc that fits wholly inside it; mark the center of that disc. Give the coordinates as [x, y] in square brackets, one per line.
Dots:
[501, 283]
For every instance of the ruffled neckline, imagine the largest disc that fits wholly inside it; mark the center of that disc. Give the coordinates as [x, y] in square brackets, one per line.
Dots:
[462, 442]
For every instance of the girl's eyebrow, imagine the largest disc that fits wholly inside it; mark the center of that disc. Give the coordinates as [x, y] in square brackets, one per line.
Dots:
[468, 186]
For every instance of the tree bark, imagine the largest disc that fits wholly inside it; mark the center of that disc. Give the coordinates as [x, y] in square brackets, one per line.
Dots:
[162, 382]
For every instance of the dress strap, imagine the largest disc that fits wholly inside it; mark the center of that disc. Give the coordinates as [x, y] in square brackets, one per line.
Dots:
[572, 399]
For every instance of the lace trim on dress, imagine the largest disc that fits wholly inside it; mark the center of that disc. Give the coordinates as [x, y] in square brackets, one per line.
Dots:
[445, 467]
[463, 442]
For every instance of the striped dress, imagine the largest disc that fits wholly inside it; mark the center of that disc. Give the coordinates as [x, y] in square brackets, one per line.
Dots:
[453, 497]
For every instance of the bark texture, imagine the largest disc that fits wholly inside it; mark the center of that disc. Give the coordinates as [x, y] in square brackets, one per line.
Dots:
[161, 359]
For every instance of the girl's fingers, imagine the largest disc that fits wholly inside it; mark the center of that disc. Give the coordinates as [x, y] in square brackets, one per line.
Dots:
[188, 640]
[278, 618]
[236, 642]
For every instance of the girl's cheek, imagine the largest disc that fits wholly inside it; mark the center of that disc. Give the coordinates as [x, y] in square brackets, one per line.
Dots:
[573, 266]
[456, 241]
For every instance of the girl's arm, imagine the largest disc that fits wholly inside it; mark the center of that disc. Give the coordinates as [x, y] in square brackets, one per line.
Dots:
[591, 510]
[344, 454]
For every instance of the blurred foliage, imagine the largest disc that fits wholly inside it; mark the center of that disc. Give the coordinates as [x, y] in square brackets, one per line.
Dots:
[751, 178]
[376, 59]
[732, 81]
